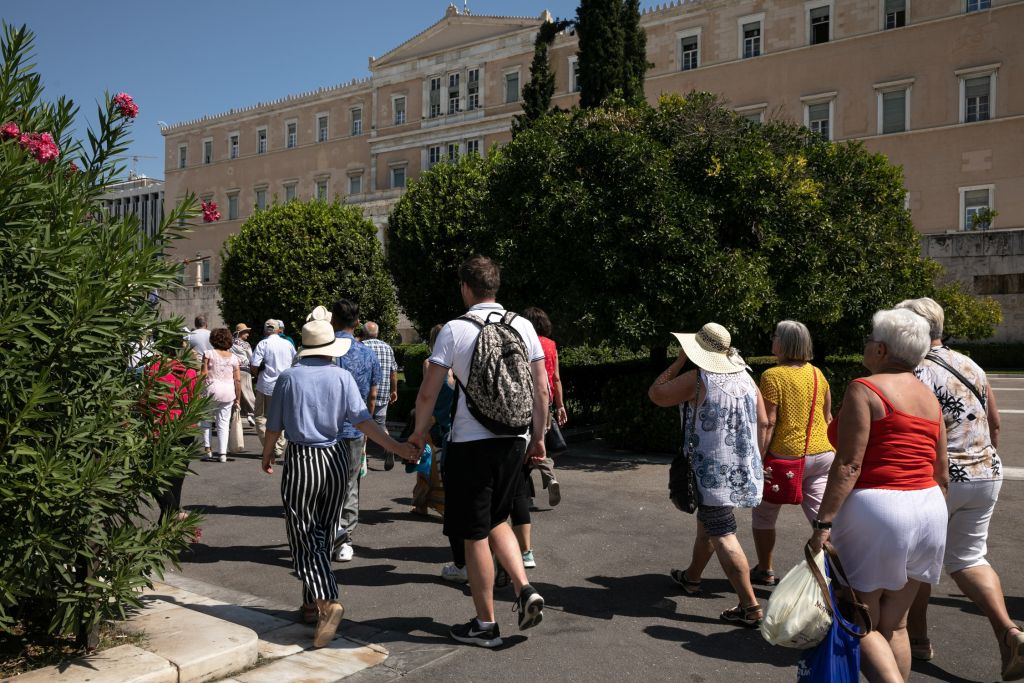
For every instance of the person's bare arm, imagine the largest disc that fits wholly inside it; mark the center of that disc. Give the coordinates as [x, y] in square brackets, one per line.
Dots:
[375, 433]
[393, 396]
[237, 376]
[827, 407]
[433, 377]
[670, 388]
[771, 414]
[536, 451]
[556, 390]
[941, 471]
[763, 433]
[371, 398]
[269, 442]
[993, 417]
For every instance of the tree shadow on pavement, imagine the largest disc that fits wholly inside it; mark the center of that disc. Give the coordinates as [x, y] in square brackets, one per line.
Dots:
[275, 555]
[734, 645]
[275, 511]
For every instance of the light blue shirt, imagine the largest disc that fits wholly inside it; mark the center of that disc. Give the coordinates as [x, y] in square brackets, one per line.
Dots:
[312, 402]
[362, 362]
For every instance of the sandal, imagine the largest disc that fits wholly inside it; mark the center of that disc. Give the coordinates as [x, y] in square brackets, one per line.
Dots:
[762, 577]
[921, 649]
[745, 616]
[1013, 659]
[691, 588]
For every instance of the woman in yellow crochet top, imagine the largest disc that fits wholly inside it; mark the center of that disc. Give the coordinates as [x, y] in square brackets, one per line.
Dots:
[799, 406]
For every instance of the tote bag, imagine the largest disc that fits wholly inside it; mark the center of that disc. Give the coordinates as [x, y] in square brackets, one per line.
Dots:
[837, 658]
[236, 437]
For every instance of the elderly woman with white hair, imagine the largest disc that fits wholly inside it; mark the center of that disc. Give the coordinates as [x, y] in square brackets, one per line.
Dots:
[883, 505]
[975, 477]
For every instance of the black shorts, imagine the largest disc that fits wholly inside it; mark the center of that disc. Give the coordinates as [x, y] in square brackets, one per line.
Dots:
[481, 479]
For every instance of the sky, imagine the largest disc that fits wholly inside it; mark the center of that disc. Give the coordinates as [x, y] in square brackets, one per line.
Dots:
[185, 59]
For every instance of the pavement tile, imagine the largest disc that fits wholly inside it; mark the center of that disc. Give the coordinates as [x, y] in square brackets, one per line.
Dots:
[285, 641]
[122, 664]
[203, 647]
[259, 620]
[326, 665]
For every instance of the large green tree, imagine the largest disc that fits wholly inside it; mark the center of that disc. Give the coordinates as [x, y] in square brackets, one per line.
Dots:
[81, 453]
[291, 257]
[602, 39]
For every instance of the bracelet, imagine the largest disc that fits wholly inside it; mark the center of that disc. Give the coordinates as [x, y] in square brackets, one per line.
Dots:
[821, 526]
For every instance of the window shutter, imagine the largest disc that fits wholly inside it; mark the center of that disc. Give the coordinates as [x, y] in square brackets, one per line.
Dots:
[818, 112]
[976, 87]
[894, 6]
[975, 198]
[894, 111]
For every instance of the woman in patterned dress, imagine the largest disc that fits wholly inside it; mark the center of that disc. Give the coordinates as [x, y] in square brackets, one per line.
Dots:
[725, 434]
[975, 477]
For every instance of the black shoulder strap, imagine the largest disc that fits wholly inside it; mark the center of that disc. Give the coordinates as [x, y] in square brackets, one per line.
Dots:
[934, 357]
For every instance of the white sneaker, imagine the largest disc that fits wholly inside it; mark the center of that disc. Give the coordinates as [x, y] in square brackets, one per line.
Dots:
[344, 553]
[455, 574]
[250, 420]
[223, 457]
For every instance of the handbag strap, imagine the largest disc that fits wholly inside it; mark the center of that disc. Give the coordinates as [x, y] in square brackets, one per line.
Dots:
[814, 403]
[934, 357]
[818, 576]
[860, 609]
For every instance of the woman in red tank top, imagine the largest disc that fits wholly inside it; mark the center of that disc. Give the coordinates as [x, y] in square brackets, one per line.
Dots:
[884, 505]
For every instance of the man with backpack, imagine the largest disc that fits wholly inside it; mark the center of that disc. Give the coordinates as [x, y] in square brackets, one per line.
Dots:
[500, 412]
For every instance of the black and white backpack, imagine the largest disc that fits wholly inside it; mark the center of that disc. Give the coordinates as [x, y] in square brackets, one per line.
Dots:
[499, 389]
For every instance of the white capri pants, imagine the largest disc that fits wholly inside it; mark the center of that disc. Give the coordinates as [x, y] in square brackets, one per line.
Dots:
[222, 419]
[970, 505]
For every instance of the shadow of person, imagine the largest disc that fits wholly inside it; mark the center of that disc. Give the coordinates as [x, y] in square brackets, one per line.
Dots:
[933, 671]
[275, 555]
[382, 575]
[430, 554]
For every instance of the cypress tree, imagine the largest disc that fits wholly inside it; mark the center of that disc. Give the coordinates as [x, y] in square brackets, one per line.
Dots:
[601, 45]
[634, 52]
[537, 93]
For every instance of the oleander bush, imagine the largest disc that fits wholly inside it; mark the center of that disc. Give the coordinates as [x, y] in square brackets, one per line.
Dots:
[80, 456]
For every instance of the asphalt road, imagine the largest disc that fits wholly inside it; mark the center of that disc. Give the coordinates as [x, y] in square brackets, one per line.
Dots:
[603, 558]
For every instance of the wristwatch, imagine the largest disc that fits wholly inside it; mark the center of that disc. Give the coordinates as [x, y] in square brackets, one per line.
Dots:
[821, 525]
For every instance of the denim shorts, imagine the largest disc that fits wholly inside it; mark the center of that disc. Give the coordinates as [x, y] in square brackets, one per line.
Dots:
[717, 520]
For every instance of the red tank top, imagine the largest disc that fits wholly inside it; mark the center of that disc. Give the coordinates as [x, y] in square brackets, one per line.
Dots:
[901, 449]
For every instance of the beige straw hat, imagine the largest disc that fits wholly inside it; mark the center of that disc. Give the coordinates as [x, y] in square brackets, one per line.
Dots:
[711, 349]
[318, 340]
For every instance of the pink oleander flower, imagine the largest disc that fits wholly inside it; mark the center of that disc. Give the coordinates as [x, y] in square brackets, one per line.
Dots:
[40, 145]
[126, 105]
[210, 212]
[9, 130]
[72, 168]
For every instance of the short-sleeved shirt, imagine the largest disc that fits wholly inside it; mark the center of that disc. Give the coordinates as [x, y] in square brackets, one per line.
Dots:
[386, 356]
[550, 360]
[791, 389]
[313, 400]
[454, 349]
[972, 457]
[275, 355]
[199, 340]
[362, 362]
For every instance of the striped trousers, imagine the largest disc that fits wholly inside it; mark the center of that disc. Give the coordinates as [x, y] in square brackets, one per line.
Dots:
[313, 490]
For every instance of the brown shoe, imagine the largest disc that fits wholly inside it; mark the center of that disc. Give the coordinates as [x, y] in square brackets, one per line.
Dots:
[327, 627]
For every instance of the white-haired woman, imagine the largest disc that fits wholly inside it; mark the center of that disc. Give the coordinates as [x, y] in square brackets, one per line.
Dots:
[798, 402]
[883, 504]
[975, 477]
[725, 432]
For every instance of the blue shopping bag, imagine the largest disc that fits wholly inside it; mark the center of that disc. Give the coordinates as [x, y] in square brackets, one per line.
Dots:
[837, 658]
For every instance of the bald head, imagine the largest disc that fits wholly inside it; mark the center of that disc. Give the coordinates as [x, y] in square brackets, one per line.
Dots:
[370, 330]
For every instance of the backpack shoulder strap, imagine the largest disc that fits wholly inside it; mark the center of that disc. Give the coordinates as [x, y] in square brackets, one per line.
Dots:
[473, 319]
[934, 357]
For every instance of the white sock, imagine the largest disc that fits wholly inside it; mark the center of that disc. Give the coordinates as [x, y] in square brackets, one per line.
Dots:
[485, 624]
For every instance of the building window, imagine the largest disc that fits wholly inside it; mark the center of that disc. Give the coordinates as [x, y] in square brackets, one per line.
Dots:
[291, 134]
[233, 207]
[233, 146]
[321, 128]
[206, 269]
[818, 117]
[321, 190]
[290, 191]
[689, 50]
[261, 141]
[751, 36]
[753, 113]
[453, 151]
[895, 14]
[207, 151]
[511, 87]
[398, 177]
[355, 184]
[433, 155]
[894, 106]
[977, 98]
[357, 121]
[975, 207]
[473, 89]
[453, 94]
[819, 24]
[398, 107]
[182, 156]
[978, 5]
[435, 97]
[261, 199]
[473, 147]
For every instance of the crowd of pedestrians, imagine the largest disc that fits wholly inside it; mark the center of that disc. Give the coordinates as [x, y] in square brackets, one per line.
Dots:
[902, 482]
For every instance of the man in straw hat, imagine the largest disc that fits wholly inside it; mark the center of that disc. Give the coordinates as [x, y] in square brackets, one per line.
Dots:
[725, 446]
[311, 402]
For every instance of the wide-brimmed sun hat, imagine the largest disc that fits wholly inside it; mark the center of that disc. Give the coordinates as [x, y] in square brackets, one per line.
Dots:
[711, 349]
[242, 327]
[318, 340]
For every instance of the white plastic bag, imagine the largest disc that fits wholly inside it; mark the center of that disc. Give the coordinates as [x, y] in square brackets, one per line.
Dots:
[798, 615]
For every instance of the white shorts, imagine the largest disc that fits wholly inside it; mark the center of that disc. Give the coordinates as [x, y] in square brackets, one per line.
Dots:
[970, 506]
[885, 537]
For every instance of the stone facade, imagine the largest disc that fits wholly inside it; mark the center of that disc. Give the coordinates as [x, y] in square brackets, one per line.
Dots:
[928, 85]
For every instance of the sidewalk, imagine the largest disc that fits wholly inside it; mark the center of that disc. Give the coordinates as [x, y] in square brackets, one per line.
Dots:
[190, 638]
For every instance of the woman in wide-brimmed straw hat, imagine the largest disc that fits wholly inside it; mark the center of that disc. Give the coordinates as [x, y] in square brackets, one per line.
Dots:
[724, 430]
[241, 348]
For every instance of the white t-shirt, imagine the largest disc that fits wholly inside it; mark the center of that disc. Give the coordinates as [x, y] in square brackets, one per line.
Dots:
[199, 340]
[454, 349]
[276, 354]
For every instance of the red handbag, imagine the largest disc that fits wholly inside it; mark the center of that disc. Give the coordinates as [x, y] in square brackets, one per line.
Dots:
[787, 474]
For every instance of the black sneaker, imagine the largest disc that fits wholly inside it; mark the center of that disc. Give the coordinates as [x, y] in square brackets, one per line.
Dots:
[389, 461]
[472, 633]
[530, 606]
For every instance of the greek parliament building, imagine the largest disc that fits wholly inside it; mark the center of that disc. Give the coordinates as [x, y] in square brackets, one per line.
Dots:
[936, 85]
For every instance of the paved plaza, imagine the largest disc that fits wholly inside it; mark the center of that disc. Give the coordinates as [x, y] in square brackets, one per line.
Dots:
[603, 558]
